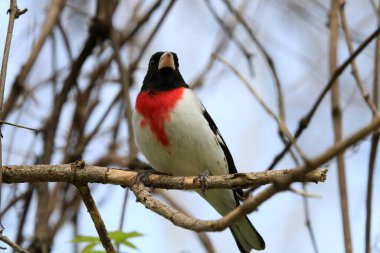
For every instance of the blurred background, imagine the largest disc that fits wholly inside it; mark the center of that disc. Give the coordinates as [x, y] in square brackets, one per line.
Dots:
[64, 78]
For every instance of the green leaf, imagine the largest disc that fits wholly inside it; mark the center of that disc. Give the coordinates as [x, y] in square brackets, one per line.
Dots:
[128, 244]
[83, 238]
[133, 234]
[120, 237]
[89, 248]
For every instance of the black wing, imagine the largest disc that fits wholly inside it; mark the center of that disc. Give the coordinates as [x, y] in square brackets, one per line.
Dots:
[230, 161]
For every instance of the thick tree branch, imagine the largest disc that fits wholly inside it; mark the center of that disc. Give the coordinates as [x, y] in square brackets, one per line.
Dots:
[80, 174]
[74, 173]
[93, 174]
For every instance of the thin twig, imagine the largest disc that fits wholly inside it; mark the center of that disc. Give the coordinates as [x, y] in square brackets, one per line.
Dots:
[19, 126]
[354, 67]
[253, 202]
[285, 133]
[249, 86]
[268, 58]
[305, 120]
[23, 215]
[308, 220]
[336, 114]
[150, 37]
[96, 218]
[304, 193]
[228, 29]
[178, 218]
[144, 19]
[370, 178]
[12, 16]
[374, 144]
[12, 244]
[198, 81]
[125, 94]
[42, 236]
[51, 19]
[12, 202]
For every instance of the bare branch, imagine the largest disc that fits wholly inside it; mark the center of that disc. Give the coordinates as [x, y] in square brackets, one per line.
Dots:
[94, 174]
[203, 237]
[78, 99]
[96, 218]
[14, 245]
[354, 67]
[284, 131]
[268, 58]
[180, 219]
[12, 16]
[19, 126]
[337, 118]
[308, 220]
[374, 144]
[54, 11]
[305, 120]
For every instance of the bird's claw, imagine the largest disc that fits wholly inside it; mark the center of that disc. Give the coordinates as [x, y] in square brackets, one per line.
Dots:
[203, 180]
[141, 175]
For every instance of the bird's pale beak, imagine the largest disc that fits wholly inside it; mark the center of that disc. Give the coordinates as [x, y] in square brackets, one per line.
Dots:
[166, 61]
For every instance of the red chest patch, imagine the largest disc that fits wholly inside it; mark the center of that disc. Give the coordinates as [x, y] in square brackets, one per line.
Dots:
[155, 108]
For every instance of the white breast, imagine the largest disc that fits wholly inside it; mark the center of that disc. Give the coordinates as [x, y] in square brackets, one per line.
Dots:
[193, 148]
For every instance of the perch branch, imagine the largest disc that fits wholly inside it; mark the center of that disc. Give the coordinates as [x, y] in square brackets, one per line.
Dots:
[102, 175]
[95, 174]
[251, 203]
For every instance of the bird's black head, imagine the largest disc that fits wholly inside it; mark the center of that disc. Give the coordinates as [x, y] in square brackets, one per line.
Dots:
[163, 73]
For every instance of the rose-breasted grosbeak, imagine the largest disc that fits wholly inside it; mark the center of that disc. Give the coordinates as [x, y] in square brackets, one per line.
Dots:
[177, 136]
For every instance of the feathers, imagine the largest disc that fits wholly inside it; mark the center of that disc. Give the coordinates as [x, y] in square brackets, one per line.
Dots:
[189, 136]
[226, 151]
[246, 236]
[178, 136]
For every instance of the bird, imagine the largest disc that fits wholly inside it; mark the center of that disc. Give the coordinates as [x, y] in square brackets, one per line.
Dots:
[178, 137]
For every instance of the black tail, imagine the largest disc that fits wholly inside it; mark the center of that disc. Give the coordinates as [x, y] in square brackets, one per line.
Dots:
[246, 236]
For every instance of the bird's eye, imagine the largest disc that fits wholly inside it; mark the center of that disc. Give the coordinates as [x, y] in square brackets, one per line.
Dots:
[151, 63]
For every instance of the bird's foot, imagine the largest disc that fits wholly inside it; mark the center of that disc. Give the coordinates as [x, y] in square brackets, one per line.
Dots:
[141, 175]
[202, 179]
